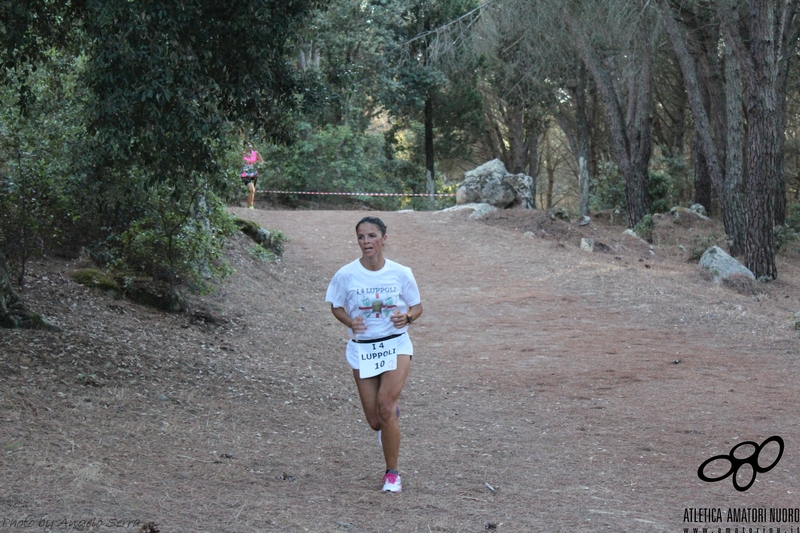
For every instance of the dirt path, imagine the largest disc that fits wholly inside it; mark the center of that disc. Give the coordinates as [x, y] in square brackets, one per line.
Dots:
[550, 375]
[544, 397]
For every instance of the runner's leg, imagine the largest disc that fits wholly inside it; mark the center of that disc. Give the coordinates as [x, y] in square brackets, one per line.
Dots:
[392, 383]
[251, 193]
[379, 396]
[368, 392]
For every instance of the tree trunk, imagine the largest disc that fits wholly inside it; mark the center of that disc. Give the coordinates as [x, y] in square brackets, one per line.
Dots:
[702, 179]
[576, 129]
[631, 132]
[760, 56]
[713, 136]
[763, 137]
[789, 33]
[779, 187]
[550, 168]
[759, 246]
[491, 140]
[430, 176]
[732, 194]
[430, 171]
[517, 148]
[532, 164]
[514, 119]
[582, 144]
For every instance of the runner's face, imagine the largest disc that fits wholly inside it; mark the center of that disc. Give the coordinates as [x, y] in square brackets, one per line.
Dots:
[370, 239]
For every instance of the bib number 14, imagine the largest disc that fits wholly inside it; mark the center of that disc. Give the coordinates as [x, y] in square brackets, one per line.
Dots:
[375, 358]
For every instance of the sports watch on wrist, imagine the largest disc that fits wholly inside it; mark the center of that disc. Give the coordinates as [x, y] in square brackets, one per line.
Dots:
[409, 318]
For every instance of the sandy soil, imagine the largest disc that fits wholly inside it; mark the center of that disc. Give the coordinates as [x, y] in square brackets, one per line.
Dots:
[552, 390]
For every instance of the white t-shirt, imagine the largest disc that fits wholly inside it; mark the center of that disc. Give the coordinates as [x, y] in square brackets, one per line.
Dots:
[374, 295]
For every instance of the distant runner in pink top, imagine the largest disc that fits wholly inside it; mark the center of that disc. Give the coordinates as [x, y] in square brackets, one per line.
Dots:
[250, 173]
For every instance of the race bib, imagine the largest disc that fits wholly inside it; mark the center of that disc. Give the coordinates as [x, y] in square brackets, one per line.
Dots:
[376, 357]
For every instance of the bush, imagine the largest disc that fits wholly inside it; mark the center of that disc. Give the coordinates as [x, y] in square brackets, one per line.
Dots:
[179, 239]
[671, 182]
[793, 216]
[608, 189]
[277, 241]
[701, 243]
[262, 254]
[783, 235]
[790, 231]
[659, 193]
[39, 137]
[92, 277]
[343, 159]
[334, 158]
[665, 186]
[644, 229]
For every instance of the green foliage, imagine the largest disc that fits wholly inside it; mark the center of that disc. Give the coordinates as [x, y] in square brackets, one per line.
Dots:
[608, 189]
[169, 78]
[343, 50]
[458, 119]
[180, 237]
[783, 235]
[358, 126]
[659, 192]
[793, 216]
[271, 241]
[670, 183]
[277, 241]
[790, 230]
[248, 227]
[94, 277]
[261, 253]
[127, 147]
[38, 143]
[701, 243]
[30, 28]
[644, 229]
[665, 181]
[680, 179]
[333, 158]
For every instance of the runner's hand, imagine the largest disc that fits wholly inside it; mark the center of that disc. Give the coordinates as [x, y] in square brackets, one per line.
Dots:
[399, 319]
[358, 325]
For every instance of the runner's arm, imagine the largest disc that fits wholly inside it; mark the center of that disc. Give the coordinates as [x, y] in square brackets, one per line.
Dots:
[356, 324]
[400, 320]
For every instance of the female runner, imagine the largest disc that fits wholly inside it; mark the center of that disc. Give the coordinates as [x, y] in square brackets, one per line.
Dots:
[377, 299]
[251, 159]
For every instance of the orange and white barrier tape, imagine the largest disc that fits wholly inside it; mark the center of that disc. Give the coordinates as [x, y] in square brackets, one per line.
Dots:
[356, 193]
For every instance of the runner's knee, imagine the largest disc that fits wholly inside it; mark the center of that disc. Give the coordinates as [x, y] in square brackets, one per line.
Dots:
[374, 422]
[386, 411]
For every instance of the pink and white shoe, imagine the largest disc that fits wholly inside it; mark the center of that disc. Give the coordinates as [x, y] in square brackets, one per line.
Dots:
[391, 482]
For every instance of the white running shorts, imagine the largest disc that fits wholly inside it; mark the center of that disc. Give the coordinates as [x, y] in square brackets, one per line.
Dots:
[404, 347]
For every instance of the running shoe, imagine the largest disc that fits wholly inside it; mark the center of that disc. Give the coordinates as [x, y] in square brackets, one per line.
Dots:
[391, 482]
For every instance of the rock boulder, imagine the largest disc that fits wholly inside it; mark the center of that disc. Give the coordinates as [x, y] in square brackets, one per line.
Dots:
[492, 184]
[722, 266]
